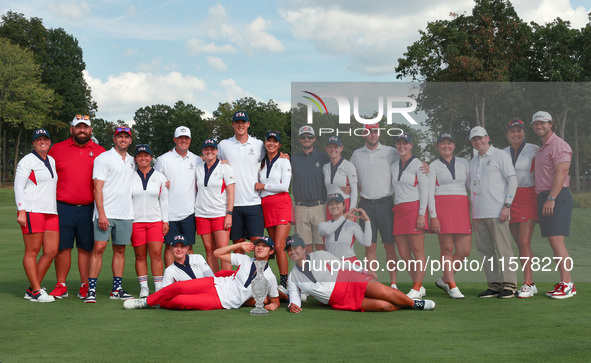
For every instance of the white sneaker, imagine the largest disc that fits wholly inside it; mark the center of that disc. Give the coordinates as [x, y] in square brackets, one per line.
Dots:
[424, 305]
[144, 292]
[526, 291]
[455, 293]
[423, 291]
[394, 286]
[442, 285]
[414, 294]
[42, 296]
[136, 304]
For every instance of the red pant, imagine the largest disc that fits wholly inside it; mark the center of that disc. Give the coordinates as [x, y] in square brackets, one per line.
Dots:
[197, 294]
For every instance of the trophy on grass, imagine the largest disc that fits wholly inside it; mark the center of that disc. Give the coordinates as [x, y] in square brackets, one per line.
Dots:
[259, 287]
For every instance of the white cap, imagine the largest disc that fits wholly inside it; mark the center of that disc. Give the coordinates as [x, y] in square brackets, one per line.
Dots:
[541, 116]
[477, 131]
[85, 119]
[306, 130]
[182, 131]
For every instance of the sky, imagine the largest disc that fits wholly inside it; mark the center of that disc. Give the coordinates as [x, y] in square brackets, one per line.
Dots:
[143, 52]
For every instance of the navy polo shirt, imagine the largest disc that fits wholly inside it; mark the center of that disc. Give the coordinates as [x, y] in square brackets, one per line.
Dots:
[307, 178]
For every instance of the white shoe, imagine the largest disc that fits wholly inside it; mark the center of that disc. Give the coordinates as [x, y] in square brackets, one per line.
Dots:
[442, 285]
[42, 297]
[526, 291]
[414, 294]
[394, 286]
[455, 293]
[144, 292]
[423, 291]
[424, 305]
[135, 304]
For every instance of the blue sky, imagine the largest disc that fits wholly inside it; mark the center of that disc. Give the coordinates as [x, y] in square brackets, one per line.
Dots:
[140, 53]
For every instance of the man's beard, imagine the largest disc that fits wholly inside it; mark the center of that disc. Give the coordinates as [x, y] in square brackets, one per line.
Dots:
[81, 138]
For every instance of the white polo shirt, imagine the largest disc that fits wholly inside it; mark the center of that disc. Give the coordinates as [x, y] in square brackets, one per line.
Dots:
[410, 184]
[525, 164]
[180, 171]
[345, 174]
[150, 197]
[278, 179]
[488, 182]
[35, 184]
[373, 170]
[197, 263]
[212, 199]
[117, 175]
[234, 290]
[245, 161]
[339, 236]
[441, 181]
[316, 278]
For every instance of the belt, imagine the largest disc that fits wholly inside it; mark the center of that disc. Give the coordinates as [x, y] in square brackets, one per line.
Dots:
[75, 205]
[310, 204]
[376, 201]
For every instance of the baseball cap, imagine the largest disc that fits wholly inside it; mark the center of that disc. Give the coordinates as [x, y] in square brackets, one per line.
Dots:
[445, 135]
[306, 130]
[274, 134]
[209, 142]
[336, 196]
[85, 119]
[240, 115]
[514, 122]
[121, 129]
[182, 131]
[294, 241]
[541, 116]
[477, 131]
[334, 140]
[406, 137]
[179, 238]
[371, 126]
[142, 148]
[267, 240]
[40, 132]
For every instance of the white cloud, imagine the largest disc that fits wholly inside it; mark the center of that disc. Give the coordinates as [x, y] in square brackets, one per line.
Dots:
[197, 46]
[254, 37]
[120, 96]
[546, 11]
[76, 10]
[153, 66]
[217, 63]
[232, 91]
[132, 51]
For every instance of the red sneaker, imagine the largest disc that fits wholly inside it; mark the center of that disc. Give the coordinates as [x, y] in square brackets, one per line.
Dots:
[549, 293]
[564, 291]
[83, 291]
[59, 291]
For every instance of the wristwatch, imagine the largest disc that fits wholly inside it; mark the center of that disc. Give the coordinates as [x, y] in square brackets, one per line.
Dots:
[229, 212]
[508, 205]
[551, 198]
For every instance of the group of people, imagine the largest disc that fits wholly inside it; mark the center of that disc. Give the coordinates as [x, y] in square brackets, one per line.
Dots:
[77, 191]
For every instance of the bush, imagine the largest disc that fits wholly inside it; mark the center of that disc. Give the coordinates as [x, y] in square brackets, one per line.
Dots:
[582, 200]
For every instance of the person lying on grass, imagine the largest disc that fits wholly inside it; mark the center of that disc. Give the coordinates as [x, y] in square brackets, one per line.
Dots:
[211, 293]
[315, 274]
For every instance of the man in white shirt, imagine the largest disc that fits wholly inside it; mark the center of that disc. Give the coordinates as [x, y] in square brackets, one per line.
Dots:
[178, 165]
[113, 214]
[492, 188]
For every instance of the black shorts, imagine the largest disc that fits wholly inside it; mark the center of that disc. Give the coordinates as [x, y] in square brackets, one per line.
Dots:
[381, 217]
[186, 227]
[558, 224]
[76, 224]
[247, 221]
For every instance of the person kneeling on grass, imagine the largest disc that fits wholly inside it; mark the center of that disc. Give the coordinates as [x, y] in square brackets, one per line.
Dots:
[211, 293]
[342, 289]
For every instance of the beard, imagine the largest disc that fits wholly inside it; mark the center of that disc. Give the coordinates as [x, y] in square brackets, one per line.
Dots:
[81, 138]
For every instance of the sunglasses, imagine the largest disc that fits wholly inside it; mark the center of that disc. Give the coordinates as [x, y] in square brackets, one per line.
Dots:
[123, 129]
[309, 137]
[82, 117]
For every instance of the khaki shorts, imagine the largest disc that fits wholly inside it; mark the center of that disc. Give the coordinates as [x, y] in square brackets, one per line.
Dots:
[307, 220]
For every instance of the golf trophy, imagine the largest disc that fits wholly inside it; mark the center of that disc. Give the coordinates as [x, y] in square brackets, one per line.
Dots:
[259, 287]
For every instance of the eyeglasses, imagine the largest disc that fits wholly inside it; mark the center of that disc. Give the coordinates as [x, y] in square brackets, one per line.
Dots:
[309, 137]
[82, 117]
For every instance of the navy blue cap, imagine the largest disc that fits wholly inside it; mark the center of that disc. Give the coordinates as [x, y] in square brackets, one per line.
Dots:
[274, 134]
[334, 140]
[179, 238]
[336, 196]
[40, 132]
[406, 137]
[445, 135]
[267, 240]
[515, 122]
[142, 148]
[240, 115]
[209, 142]
[293, 241]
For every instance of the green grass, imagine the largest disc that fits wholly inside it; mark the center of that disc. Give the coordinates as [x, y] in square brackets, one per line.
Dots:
[535, 329]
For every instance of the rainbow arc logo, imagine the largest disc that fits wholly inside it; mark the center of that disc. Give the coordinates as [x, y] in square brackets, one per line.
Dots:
[315, 102]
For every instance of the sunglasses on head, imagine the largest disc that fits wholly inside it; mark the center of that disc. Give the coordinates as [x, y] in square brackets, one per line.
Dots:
[123, 129]
[82, 117]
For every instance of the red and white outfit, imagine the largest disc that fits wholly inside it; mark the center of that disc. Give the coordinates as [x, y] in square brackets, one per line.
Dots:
[212, 197]
[276, 175]
[341, 289]
[524, 206]
[210, 293]
[448, 196]
[340, 236]
[194, 267]
[411, 193]
[341, 175]
[35, 184]
[150, 206]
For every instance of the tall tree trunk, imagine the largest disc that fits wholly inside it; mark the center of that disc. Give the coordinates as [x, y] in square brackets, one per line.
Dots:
[480, 113]
[16, 145]
[561, 124]
[577, 175]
